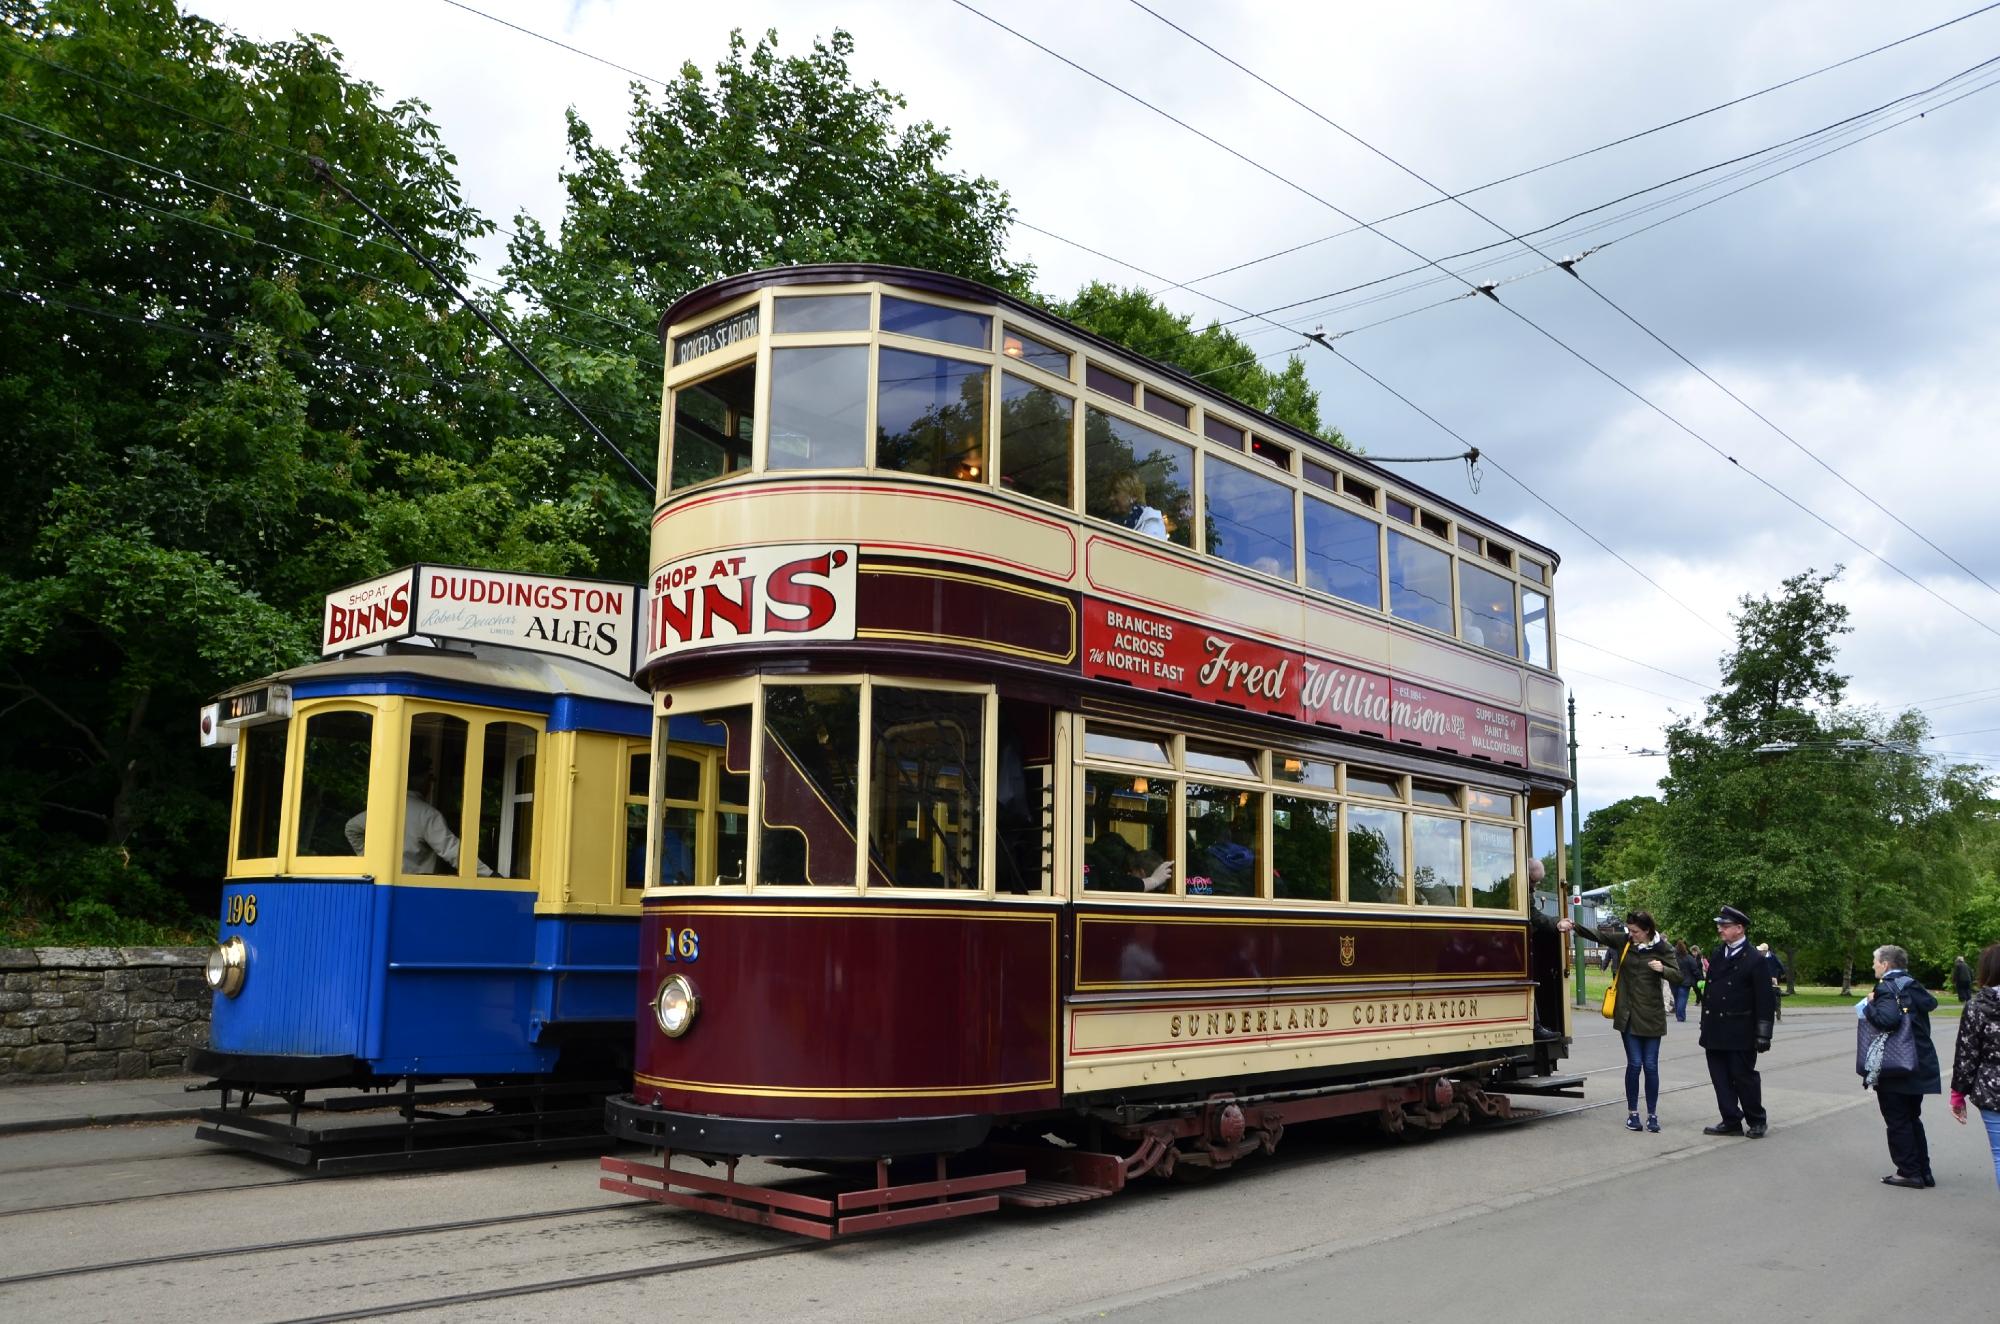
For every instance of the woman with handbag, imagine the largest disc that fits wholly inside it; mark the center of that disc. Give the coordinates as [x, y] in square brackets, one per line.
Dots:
[1975, 1066]
[1636, 1004]
[1902, 1063]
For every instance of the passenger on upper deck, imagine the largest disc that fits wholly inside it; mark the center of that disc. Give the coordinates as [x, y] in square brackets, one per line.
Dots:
[1128, 492]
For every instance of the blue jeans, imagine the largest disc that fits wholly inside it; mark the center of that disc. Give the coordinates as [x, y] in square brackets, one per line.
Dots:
[1681, 992]
[1992, 1121]
[1642, 1051]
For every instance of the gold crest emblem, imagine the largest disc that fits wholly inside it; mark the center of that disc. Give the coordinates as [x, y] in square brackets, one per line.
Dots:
[1346, 949]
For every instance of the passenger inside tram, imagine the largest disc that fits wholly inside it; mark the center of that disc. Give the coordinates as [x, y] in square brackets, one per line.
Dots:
[1128, 493]
[427, 837]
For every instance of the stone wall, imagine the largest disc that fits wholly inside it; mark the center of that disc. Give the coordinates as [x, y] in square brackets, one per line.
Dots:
[100, 1013]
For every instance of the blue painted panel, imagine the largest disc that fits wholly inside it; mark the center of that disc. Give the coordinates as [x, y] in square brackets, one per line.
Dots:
[589, 968]
[308, 980]
[572, 712]
[693, 731]
[458, 991]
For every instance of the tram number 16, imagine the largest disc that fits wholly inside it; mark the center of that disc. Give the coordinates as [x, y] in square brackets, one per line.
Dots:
[682, 946]
[242, 909]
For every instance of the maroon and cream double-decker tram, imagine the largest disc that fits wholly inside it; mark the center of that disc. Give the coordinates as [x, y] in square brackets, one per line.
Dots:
[1095, 757]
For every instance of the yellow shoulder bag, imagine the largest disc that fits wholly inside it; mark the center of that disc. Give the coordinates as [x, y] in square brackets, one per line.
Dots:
[1610, 1007]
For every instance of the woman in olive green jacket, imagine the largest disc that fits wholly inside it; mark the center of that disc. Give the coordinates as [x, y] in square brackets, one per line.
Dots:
[1646, 966]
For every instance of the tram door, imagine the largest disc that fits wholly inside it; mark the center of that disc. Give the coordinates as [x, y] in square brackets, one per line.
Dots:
[1545, 945]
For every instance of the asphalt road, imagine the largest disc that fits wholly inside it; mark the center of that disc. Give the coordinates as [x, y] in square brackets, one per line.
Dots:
[1562, 1215]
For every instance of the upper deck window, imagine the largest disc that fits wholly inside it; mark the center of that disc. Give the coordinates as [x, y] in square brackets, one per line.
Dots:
[1249, 519]
[713, 421]
[1486, 609]
[1224, 433]
[1172, 410]
[1435, 525]
[907, 317]
[1343, 554]
[1020, 345]
[1534, 570]
[820, 312]
[1402, 510]
[819, 407]
[1105, 382]
[1357, 490]
[1319, 475]
[930, 416]
[333, 783]
[1271, 453]
[1535, 628]
[263, 758]
[1035, 440]
[1419, 582]
[1469, 540]
[1137, 478]
[1499, 555]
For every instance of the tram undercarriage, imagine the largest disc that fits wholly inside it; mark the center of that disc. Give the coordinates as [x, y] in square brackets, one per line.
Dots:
[1038, 1163]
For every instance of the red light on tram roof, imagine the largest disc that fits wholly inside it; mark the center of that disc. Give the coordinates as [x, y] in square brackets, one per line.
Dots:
[208, 724]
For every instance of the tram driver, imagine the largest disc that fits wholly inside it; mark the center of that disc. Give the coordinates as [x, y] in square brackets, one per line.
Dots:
[427, 837]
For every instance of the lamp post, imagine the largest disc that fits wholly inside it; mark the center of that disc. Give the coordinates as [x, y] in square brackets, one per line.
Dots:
[1575, 850]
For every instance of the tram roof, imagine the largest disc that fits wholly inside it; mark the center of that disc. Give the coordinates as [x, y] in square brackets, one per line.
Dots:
[696, 302]
[482, 666]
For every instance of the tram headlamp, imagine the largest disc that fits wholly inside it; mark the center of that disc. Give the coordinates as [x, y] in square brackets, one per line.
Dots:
[675, 1005]
[227, 965]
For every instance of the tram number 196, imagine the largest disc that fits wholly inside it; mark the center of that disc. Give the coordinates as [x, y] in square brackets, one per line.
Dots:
[682, 946]
[242, 909]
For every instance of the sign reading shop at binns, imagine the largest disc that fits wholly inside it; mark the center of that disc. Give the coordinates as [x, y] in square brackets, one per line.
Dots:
[1157, 652]
[586, 620]
[774, 594]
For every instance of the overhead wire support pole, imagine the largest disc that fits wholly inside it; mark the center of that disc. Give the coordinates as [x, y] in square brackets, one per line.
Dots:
[325, 172]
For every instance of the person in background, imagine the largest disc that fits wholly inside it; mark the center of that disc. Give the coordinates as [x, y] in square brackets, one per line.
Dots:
[1901, 1094]
[1645, 965]
[427, 837]
[1961, 978]
[1777, 969]
[1975, 1063]
[1690, 965]
[1737, 1012]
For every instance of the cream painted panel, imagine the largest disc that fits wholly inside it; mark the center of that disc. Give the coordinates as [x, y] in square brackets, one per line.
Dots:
[1545, 695]
[901, 518]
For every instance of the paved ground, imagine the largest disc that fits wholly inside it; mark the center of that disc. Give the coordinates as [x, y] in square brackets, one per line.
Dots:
[140, 1221]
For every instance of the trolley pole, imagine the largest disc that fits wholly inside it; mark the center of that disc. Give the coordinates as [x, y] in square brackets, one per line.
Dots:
[1575, 848]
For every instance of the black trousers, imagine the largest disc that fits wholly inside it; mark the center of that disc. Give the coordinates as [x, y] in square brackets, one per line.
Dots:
[1739, 1090]
[1907, 1145]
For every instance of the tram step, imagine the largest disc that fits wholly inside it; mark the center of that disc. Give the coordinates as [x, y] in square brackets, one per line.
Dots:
[1568, 1086]
[1039, 1194]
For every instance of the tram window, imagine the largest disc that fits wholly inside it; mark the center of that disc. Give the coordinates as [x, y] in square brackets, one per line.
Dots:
[819, 407]
[1301, 772]
[1319, 475]
[1020, 345]
[1172, 410]
[507, 800]
[1137, 478]
[680, 819]
[1034, 440]
[1356, 490]
[1110, 383]
[1224, 835]
[811, 777]
[1023, 799]
[1110, 743]
[263, 757]
[1533, 570]
[1435, 525]
[1492, 867]
[436, 781]
[1490, 803]
[1379, 785]
[1419, 582]
[636, 791]
[907, 317]
[1128, 841]
[1220, 758]
[1217, 430]
[1535, 627]
[1302, 847]
[1249, 519]
[820, 312]
[1499, 555]
[713, 420]
[1374, 855]
[1343, 554]
[1469, 541]
[1424, 793]
[926, 786]
[930, 416]
[333, 783]
[1402, 510]
[704, 829]
[1486, 609]
[1271, 453]
[1438, 851]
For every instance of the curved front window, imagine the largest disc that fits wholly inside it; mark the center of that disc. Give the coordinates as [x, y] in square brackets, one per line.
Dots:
[333, 783]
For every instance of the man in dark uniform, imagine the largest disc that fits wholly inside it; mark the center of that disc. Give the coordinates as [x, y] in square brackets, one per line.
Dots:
[1736, 1016]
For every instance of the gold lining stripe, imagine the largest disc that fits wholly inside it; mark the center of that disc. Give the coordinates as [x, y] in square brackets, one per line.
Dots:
[835, 1092]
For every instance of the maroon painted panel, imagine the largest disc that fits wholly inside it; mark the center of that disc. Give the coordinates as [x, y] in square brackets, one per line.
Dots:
[849, 1009]
[1124, 948]
[959, 605]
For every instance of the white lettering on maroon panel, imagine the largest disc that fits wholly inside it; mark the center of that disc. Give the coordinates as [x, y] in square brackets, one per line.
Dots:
[774, 594]
[367, 613]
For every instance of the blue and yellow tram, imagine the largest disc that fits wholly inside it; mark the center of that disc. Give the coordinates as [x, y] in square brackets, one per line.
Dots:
[435, 851]
[1123, 765]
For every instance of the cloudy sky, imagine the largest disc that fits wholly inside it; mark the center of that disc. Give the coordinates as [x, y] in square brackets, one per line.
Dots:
[1848, 298]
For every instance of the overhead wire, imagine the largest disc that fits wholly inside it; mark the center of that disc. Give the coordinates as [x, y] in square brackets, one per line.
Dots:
[1512, 311]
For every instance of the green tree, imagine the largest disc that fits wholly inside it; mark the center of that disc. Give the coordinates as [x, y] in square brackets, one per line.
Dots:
[1826, 825]
[1601, 830]
[1135, 319]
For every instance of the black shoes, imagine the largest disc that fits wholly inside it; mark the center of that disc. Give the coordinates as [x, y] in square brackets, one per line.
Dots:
[1652, 1123]
[1632, 1122]
[1756, 1130]
[1898, 1179]
[1722, 1129]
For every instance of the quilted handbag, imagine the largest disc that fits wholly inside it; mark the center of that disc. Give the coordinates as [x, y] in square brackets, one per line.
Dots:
[1881, 1053]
